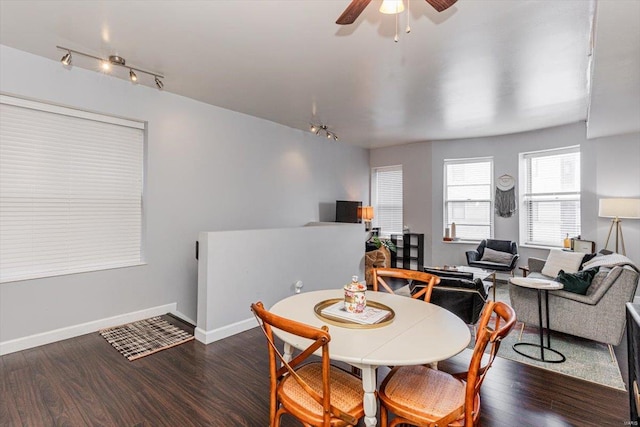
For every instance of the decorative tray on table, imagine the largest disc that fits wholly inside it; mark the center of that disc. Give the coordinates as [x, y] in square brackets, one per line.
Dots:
[375, 314]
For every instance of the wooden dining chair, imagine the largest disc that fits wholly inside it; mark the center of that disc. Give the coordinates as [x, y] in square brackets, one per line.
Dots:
[316, 393]
[422, 396]
[428, 281]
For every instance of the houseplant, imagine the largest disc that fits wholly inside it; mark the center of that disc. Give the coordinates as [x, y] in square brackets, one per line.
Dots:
[387, 243]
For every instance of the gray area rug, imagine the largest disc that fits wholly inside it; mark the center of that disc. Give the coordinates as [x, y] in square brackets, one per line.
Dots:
[585, 359]
[145, 337]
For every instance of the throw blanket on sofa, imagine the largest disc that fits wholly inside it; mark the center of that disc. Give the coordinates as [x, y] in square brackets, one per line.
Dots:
[611, 260]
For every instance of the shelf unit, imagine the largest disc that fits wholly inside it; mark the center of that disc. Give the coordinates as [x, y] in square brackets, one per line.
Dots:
[410, 251]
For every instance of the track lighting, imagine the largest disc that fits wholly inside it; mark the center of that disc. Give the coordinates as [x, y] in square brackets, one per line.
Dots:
[317, 129]
[66, 59]
[106, 65]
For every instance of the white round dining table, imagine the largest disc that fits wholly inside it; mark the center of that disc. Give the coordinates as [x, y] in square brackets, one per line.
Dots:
[420, 333]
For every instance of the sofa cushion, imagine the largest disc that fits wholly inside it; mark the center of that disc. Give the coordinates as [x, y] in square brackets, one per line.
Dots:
[577, 282]
[562, 260]
[496, 256]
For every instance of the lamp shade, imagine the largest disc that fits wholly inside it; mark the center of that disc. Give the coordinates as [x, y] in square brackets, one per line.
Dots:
[391, 7]
[365, 213]
[620, 208]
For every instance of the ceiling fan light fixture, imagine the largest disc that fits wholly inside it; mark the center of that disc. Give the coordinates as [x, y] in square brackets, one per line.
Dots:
[392, 7]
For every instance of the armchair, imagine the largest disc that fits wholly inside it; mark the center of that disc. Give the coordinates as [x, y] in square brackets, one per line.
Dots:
[502, 255]
[460, 294]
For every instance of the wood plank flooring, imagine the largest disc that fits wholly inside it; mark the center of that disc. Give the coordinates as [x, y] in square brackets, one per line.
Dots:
[85, 382]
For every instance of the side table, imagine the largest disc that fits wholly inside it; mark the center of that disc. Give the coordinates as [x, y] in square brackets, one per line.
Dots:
[542, 286]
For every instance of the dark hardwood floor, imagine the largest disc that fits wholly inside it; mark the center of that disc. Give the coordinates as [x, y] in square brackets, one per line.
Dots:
[85, 382]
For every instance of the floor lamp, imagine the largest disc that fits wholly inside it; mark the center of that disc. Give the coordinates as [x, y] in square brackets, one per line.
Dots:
[618, 209]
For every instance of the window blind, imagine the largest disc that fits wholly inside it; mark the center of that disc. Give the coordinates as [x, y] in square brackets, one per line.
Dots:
[551, 196]
[70, 190]
[387, 199]
[468, 199]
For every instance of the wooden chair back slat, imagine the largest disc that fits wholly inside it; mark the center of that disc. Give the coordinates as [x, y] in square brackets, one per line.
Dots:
[428, 279]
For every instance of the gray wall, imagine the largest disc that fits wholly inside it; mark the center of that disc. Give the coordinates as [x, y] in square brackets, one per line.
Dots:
[610, 168]
[207, 169]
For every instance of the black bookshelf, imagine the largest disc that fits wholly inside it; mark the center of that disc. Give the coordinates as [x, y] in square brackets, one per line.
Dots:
[409, 252]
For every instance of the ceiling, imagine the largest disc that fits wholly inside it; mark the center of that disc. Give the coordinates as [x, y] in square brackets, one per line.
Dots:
[480, 68]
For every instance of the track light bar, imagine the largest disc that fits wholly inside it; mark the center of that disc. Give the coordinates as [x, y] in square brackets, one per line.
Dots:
[317, 129]
[112, 60]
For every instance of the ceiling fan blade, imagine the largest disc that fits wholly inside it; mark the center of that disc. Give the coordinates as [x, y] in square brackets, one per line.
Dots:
[354, 10]
[441, 5]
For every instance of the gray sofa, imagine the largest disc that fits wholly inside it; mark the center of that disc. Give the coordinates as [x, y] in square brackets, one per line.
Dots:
[599, 315]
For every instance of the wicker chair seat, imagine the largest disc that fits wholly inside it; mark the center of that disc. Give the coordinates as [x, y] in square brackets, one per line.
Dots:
[346, 393]
[422, 393]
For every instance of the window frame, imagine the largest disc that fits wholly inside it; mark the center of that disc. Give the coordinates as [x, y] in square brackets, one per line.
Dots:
[134, 137]
[374, 199]
[525, 196]
[446, 200]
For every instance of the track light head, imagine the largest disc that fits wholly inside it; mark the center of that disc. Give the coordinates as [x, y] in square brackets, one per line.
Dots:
[313, 128]
[117, 60]
[329, 135]
[105, 65]
[66, 59]
[158, 82]
[133, 76]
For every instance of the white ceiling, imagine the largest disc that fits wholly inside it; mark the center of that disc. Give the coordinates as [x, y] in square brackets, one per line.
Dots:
[480, 68]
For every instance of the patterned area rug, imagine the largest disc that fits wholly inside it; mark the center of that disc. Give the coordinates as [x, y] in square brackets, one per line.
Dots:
[145, 337]
[585, 359]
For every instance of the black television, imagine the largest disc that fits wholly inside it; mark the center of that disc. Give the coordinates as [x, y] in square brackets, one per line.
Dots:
[347, 211]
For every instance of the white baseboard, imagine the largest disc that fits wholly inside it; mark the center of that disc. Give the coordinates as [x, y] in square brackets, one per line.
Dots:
[48, 337]
[207, 337]
[183, 317]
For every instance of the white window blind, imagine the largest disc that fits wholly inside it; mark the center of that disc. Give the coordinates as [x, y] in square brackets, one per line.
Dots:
[550, 196]
[468, 199]
[70, 190]
[387, 199]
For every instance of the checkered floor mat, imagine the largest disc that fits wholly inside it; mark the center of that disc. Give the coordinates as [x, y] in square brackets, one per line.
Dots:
[145, 337]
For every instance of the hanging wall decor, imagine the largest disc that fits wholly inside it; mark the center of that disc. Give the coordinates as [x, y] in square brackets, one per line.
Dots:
[505, 201]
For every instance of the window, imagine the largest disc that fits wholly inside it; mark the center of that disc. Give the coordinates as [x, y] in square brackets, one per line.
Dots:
[386, 189]
[468, 200]
[550, 191]
[70, 190]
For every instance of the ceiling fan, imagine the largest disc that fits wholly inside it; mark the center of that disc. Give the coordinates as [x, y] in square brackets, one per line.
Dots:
[356, 7]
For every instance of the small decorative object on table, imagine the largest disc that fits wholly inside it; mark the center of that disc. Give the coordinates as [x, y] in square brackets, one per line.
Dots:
[355, 296]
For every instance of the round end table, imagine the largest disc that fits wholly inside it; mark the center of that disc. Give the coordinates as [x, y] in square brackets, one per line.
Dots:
[542, 286]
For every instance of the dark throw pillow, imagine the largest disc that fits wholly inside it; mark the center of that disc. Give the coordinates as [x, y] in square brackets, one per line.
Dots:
[577, 282]
[587, 258]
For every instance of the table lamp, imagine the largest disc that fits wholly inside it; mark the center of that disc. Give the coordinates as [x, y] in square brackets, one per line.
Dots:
[365, 213]
[617, 209]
